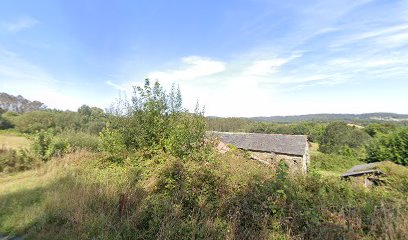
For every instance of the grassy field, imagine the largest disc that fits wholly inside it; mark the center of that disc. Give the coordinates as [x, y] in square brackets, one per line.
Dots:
[13, 140]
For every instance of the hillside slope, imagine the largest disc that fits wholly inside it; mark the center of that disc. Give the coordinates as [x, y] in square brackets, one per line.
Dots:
[81, 196]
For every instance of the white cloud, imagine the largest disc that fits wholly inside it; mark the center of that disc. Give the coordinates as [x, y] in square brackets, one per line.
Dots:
[382, 32]
[194, 67]
[274, 79]
[383, 36]
[117, 86]
[395, 40]
[19, 25]
[265, 67]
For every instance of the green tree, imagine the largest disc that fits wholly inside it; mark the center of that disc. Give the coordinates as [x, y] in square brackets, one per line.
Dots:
[85, 110]
[4, 122]
[154, 120]
[392, 147]
[338, 135]
[19, 104]
[379, 128]
[31, 122]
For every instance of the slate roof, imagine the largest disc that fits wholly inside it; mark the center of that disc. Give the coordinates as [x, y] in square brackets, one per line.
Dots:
[363, 169]
[277, 143]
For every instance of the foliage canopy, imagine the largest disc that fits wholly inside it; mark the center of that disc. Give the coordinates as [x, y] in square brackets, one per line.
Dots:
[338, 136]
[153, 120]
[393, 147]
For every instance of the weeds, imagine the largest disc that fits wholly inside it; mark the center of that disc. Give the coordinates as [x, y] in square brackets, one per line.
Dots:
[80, 196]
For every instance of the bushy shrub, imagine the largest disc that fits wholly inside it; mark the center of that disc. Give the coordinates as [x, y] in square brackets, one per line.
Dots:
[95, 127]
[396, 176]
[79, 140]
[16, 160]
[58, 147]
[42, 144]
[333, 163]
[47, 144]
[112, 143]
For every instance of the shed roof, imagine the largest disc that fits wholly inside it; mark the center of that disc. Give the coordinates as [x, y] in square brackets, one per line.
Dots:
[363, 169]
[277, 143]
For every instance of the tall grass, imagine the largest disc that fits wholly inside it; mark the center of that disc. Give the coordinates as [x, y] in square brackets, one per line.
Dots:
[81, 196]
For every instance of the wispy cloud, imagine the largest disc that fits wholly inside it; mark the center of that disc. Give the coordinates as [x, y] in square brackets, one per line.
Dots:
[19, 76]
[19, 25]
[385, 35]
[269, 66]
[193, 67]
[118, 86]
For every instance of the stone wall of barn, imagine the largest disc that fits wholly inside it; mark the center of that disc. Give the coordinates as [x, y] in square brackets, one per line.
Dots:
[306, 158]
[295, 163]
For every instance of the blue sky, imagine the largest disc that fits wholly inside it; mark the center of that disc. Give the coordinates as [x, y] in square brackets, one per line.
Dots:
[238, 58]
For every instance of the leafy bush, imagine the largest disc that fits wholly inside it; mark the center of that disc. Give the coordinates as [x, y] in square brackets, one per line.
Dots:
[112, 143]
[393, 147]
[42, 144]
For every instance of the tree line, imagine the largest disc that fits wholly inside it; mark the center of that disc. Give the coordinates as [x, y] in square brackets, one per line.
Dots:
[372, 142]
[154, 119]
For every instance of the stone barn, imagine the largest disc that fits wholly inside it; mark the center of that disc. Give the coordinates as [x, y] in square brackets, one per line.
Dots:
[272, 148]
[364, 174]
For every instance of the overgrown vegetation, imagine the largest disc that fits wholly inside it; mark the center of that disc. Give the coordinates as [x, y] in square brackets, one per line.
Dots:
[145, 170]
[12, 160]
[226, 197]
[154, 121]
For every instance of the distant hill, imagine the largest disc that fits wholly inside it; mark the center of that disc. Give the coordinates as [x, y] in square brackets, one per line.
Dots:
[381, 117]
[325, 117]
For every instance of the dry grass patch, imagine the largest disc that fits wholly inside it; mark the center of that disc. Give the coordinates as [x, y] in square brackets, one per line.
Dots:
[12, 141]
